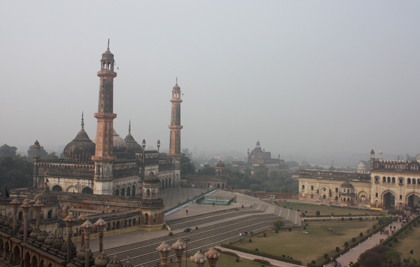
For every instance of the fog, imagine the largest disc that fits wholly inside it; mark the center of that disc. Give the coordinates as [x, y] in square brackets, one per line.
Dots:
[318, 79]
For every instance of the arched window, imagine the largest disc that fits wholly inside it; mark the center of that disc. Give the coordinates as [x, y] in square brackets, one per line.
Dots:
[324, 196]
[401, 180]
[87, 190]
[408, 181]
[57, 188]
[122, 192]
[117, 192]
[389, 179]
[20, 217]
[148, 193]
[49, 214]
[128, 191]
[414, 181]
[384, 179]
[134, 191]
[393, 180]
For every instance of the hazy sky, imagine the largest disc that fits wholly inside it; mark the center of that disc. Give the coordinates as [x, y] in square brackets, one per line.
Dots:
[302, 77]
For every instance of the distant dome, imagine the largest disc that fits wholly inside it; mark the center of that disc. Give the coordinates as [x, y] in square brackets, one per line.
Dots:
[361, 168]
[346, 185]
[220, 164]
[81, 148]
[119, 145]
[132, 146]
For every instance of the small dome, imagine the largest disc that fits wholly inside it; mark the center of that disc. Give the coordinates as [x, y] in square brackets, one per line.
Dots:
[29, 230]
[58, 243]
[346, 185]
[102, 260]
[151, 178]
[81, 148]
[220, 164]
[41, 237]
[72, 245]
[361, 167]
[49, 240]
[81, 254]
[35, 233]
[119, 145]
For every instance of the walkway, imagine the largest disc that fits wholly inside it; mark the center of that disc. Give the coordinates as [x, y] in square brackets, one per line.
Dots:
[355, 252]
[251, 257]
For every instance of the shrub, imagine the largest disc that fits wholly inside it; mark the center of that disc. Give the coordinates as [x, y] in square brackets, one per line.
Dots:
[307, 224]
[318, 213]
[313, 262]
[265, 235]
[298, 209]
[250, 240]
[346, 244]
[277, 231]
[360, 219]
[350, 214]
[390, 245]
[337, 249]
[395, 240]
[290, 229]
[256, 249]
[353, 239]
[342, 218]
[325, 255]
[237, 259]
[351, 219]
[361, 234]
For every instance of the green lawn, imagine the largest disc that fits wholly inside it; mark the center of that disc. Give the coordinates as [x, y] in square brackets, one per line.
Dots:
[224, 261]
[312, 246]
[409, 241]
[325, 210]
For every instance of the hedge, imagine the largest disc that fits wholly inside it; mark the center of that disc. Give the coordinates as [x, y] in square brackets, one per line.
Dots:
[262, 261]
[262, 254]
[402, 229]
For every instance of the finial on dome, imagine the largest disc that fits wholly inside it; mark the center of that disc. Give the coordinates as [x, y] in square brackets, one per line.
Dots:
[129, 127]
[83, 121]
[176, 80]
[108, 45]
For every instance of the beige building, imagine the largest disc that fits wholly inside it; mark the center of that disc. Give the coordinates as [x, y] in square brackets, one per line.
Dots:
[389, 184]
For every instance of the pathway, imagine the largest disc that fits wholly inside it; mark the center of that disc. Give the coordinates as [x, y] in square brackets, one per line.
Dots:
[355, 252]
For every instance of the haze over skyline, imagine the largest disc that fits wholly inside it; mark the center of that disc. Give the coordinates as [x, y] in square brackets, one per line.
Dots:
[318, 78]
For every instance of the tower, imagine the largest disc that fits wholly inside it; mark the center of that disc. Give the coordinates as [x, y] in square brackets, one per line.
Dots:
[175, 127]
[104, 131]
[175, 132]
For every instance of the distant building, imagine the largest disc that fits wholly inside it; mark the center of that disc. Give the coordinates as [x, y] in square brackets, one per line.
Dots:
[389, 184]
[259, 157]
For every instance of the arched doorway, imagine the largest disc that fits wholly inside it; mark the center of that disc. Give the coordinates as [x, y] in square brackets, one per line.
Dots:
[118, 225]
[218, 186]
[27, 260]
[123, 192]
[20, 216]
[49, 214]
[16, 256]
[57, 188]
[413, 201]
[388, 201]
[128, 191]
[170, 182]
[87, 190]
[34, 262]
[162, 183]
[146, 218]
[117, 192]
[134, 191]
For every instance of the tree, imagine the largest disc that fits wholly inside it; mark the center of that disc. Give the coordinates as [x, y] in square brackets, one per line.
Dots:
[187, 167]
[278, 224]
[42, 153]
[207, 170]
[379, 256]
[52, 155]
[15, 173]
[7, 151]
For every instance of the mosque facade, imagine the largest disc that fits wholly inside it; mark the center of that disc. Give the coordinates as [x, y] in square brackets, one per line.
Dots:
[109, 164]
[390, 184]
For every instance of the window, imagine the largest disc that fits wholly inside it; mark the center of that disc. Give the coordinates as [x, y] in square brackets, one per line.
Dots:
[384, 179]
[400, 196]
[312, 187]
[401, 180]
[312, 195]
[303, 187]
[408, 181]
[389, 179]
[393, 180]
[376, 194]
[336, 190]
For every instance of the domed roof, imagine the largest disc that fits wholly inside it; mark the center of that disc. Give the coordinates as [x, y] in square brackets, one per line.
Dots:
[42, 236]
[81, 148]
[346, 184]
[107, 55]
[72, 245]
[102, 260]
[119, 145]
[220, 164]
[81, 254]
[361, 167]
[132, 146]
[35, 233]
[50, 239]
[58, 242]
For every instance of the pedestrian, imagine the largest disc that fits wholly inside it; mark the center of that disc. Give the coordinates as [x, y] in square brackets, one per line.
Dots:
[186, 211]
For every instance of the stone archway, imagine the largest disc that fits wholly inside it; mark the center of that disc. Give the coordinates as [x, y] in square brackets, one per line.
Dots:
[117, 192]
[388, 200]
[16, 256]
[34, 261]
[27, 260]
[146, 218]
[57, 188]
[87, 190]
[413, 200]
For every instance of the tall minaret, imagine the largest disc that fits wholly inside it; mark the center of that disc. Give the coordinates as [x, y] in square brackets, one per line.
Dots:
[175, 135]
[104, 131]
[175, 127]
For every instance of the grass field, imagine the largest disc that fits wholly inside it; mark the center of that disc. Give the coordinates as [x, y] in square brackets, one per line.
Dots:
[312, 246]
[224, 261]
[324, 210]
[409, 240]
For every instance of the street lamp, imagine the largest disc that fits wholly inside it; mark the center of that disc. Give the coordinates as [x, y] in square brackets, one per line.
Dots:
[87, 226]
[158, 145]
[82, 218]
[212, 255]
[179, 247]
[25, 206]
[38, 206]
[100, 225]
[198, 259]
[163, 250]
[143, 144]
[69, 220]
